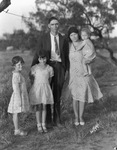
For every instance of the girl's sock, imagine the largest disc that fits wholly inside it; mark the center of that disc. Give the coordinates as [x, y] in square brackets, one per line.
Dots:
[44, 127]
[39, 127]
[43, 124]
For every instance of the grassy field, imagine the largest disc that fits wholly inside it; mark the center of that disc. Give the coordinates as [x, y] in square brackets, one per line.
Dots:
[66, 137]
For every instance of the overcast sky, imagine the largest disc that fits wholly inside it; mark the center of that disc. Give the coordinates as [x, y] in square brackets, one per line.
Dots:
[8, 23]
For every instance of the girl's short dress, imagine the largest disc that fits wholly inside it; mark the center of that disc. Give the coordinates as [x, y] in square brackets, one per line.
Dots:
[40, 92]
[19, 101]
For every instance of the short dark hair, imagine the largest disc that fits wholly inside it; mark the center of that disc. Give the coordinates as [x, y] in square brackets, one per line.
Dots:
[52, 18]
[43, 54]
[17, 59]
[73, 29]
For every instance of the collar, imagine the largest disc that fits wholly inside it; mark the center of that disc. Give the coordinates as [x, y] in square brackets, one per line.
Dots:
[53, 35]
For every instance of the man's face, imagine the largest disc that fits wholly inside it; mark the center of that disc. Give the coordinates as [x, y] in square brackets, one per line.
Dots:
[53, 25]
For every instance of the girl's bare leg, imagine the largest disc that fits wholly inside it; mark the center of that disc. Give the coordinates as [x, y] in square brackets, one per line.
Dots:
[75, 108]
[44, 114]
[44, 118]
[39, 118]
[15, 121]
[81, 110]
[17, 131]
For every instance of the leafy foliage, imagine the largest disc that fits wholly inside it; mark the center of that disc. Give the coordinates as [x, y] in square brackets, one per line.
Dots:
[100, 16]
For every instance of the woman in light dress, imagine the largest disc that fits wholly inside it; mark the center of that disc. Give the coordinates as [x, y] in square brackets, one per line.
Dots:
[40, 93]
[19, 100]
[83, 88]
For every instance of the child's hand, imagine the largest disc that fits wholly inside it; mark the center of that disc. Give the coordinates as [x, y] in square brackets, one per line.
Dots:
[83, 42]
[80, 46]
[86, 41]
[83, 60]
[87, 61]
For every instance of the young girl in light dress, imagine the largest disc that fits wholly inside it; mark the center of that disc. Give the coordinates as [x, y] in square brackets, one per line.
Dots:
[19, 101]
[40, 93]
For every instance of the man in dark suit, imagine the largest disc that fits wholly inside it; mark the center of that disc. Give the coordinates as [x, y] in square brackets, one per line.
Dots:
[56, 47]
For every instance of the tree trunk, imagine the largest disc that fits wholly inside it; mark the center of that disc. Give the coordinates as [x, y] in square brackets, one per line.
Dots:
[114, 60]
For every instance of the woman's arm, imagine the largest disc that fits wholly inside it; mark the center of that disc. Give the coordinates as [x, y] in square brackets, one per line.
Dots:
[86, 61]
[80, 45]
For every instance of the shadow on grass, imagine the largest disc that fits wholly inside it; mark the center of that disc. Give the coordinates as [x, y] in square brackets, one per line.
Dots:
[93, 111]
[100, 108]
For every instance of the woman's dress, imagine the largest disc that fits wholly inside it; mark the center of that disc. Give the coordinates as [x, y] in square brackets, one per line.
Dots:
[83, 88]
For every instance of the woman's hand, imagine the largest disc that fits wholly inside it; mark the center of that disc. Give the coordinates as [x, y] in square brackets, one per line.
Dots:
[87, 61]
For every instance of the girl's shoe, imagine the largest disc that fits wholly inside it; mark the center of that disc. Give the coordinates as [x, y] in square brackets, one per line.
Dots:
[76, 123]
[39, 128]
[82, 123]
[19, 132]
[44, 128]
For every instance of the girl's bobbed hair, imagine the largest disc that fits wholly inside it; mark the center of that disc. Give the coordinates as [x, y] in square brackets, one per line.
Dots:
[17, 59]
[43, 54]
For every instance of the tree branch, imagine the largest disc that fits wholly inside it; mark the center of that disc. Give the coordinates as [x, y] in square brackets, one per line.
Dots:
[114, 60]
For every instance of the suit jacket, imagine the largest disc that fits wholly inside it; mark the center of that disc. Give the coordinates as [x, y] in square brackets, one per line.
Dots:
[45, 44]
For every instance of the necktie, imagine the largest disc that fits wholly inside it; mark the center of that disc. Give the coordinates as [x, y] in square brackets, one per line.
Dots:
[56, 46]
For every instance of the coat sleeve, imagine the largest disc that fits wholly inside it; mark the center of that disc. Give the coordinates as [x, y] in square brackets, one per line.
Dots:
[66, 54]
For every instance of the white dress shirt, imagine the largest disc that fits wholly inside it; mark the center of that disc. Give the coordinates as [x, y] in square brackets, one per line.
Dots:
[54, 56]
